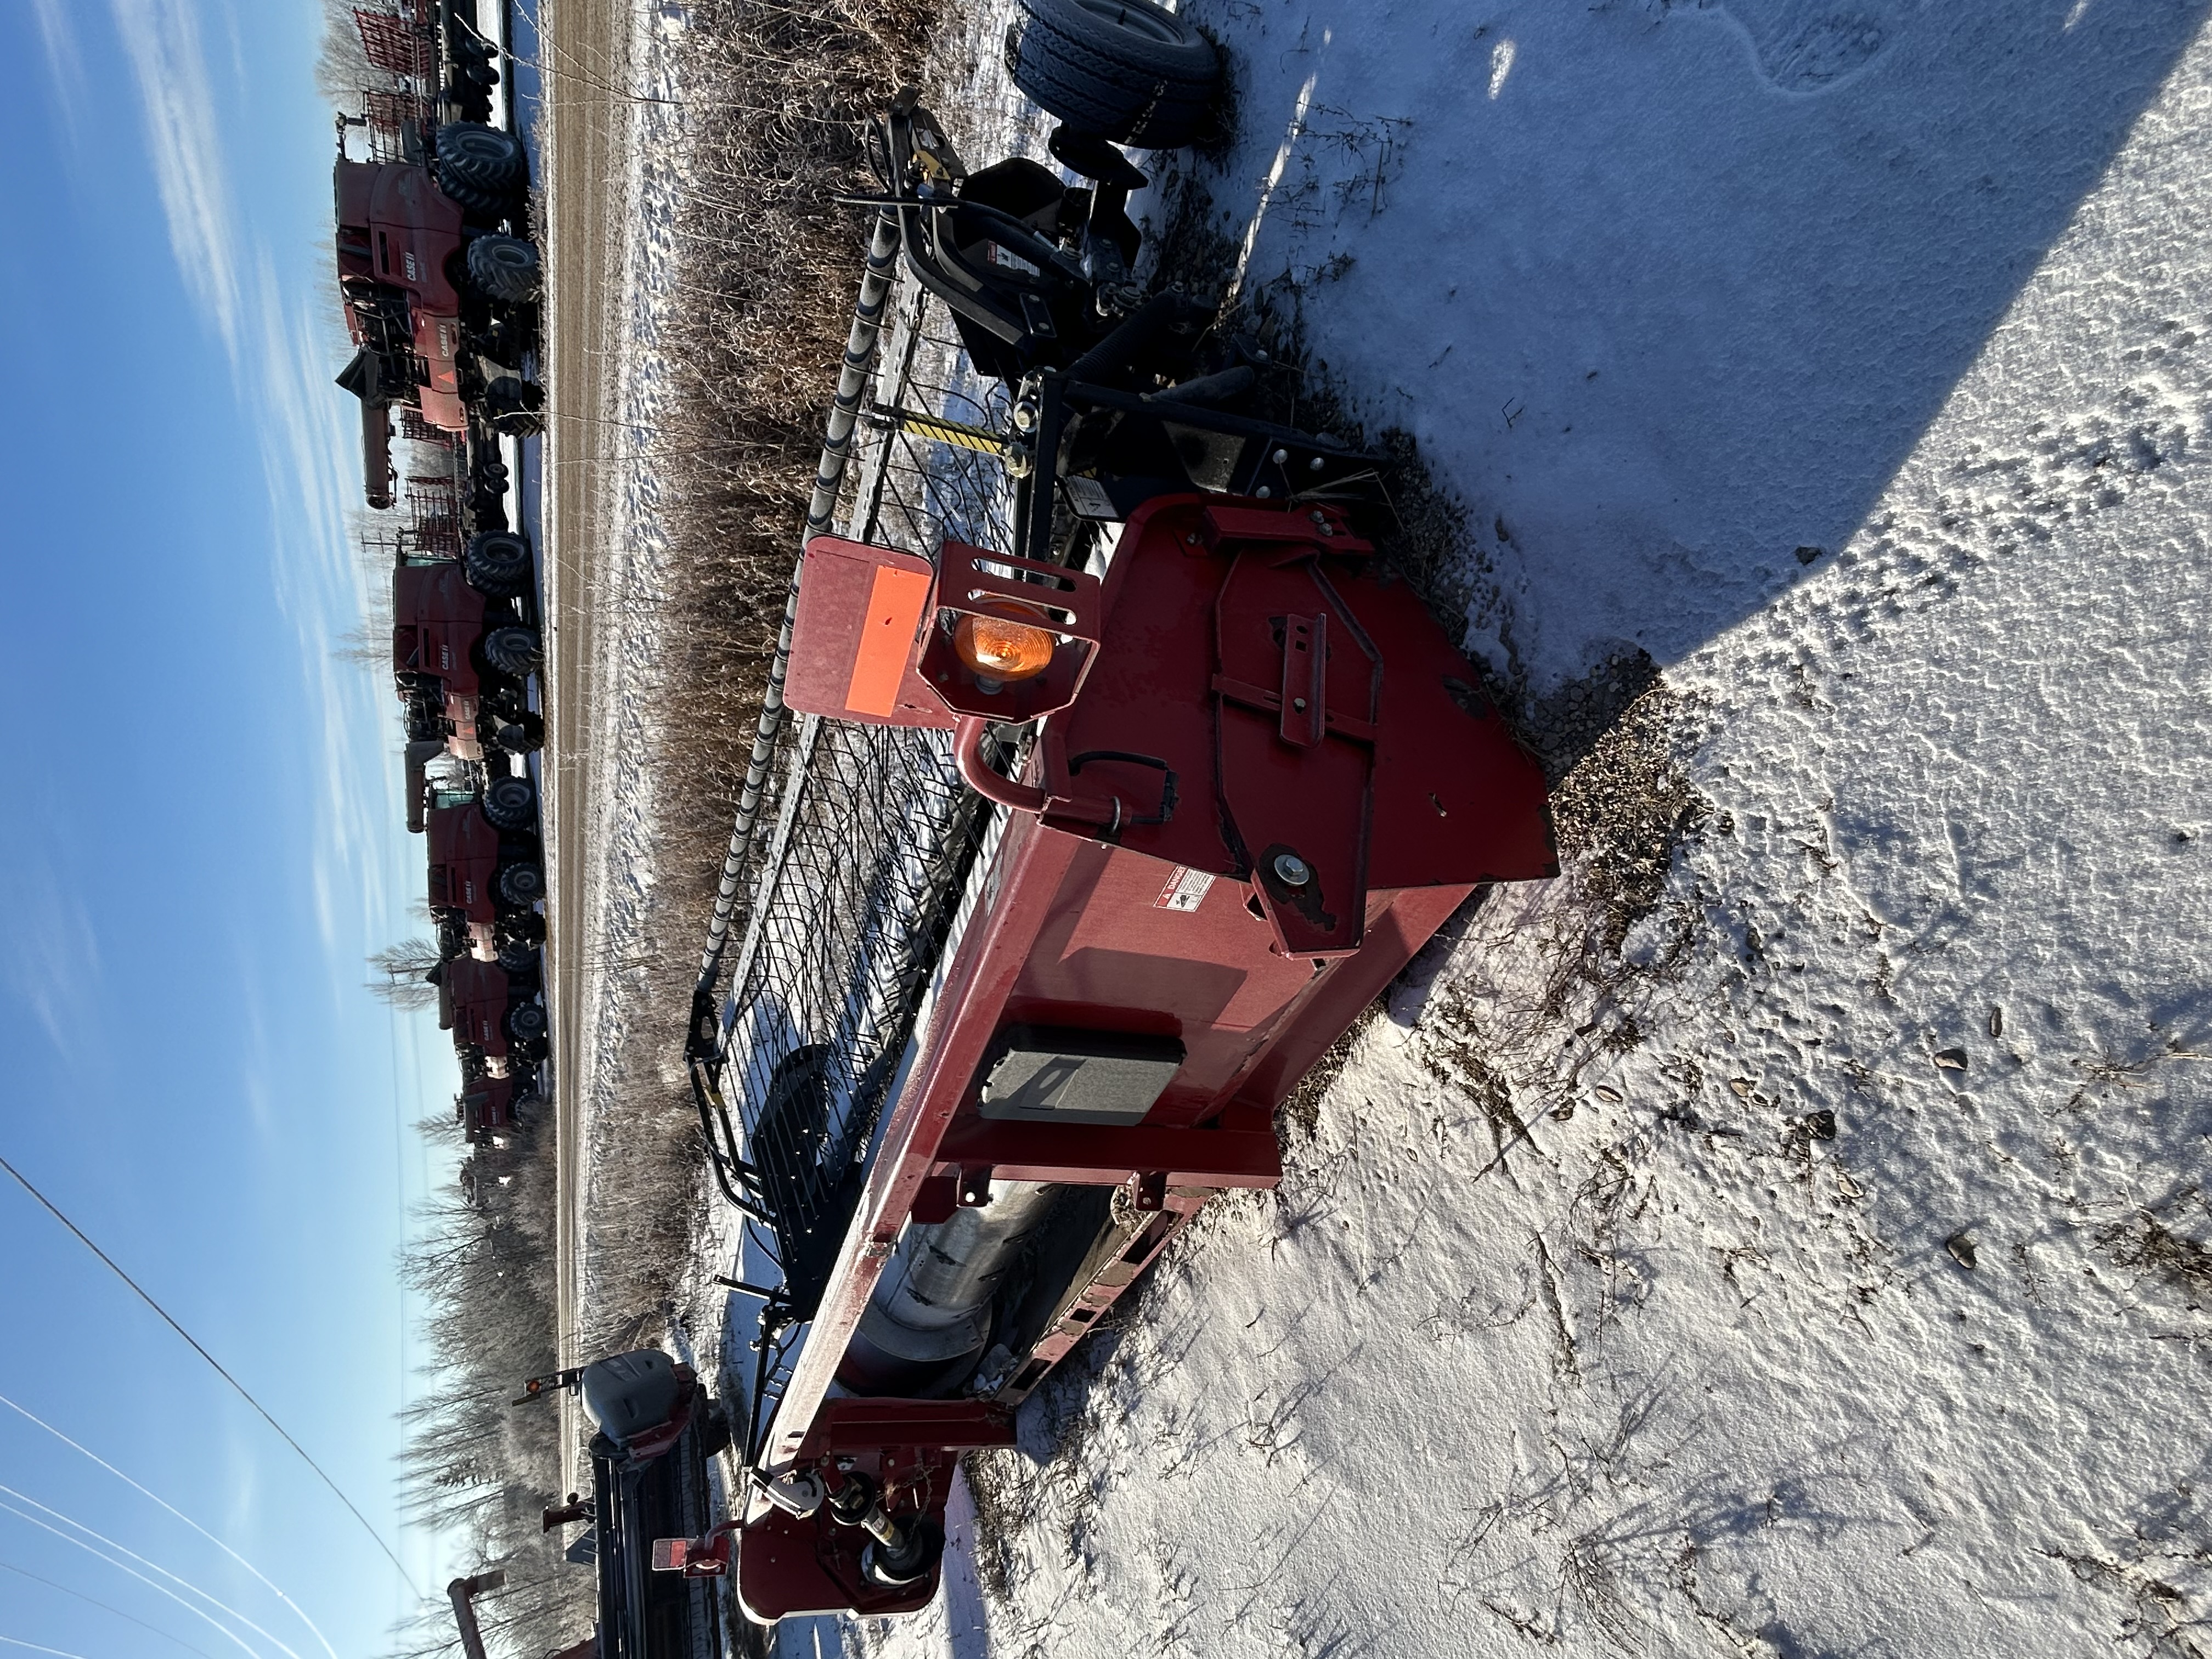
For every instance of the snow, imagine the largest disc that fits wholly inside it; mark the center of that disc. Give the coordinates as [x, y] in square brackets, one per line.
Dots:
[1812, 1274]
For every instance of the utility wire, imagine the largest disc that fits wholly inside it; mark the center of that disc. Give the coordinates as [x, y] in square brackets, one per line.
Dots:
[87, 1452]
[55, 1211]
[39, 1647]
[107, 1549]
[104, 1607]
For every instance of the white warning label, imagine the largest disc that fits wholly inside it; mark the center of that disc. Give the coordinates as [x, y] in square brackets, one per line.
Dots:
[1186, 890]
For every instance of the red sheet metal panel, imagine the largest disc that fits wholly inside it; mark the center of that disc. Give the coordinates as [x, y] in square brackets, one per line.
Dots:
[1324, 785]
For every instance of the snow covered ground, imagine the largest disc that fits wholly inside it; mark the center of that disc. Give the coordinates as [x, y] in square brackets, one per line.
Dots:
[1818, 1270]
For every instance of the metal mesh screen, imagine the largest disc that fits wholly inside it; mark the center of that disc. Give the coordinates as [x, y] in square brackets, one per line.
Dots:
[856, 889]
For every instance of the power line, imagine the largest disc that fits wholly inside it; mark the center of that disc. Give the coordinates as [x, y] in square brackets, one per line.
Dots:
[104, 1607]
[54, 1210]
[86, 1451]
[112, 1550]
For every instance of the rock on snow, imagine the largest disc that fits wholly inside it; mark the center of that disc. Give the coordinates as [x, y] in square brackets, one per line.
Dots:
[1801, 1254]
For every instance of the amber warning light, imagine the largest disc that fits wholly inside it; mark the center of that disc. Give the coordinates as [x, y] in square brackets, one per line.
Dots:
[1001, 649]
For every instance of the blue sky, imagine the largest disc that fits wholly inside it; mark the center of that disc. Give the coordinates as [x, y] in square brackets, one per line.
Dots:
[203, 839]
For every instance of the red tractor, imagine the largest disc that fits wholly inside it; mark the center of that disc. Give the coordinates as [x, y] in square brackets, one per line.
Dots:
[485, 878]
[497, 1016]
[487, 1106]
[438, 275]
[461, 652]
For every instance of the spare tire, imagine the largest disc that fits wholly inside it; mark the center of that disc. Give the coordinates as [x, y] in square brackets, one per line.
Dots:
[497, 562]
[485, 160]
[505, 268]
[1127, 70]
[511, 803]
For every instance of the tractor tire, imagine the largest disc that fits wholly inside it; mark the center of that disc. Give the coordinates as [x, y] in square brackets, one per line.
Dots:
[481, 206]
[511, 803]
[518, 956]
[520, 884]
[487, 160]
[505, 268]
[527, 1022]
[512, 650]
[523, 735]
[1121, 69]
[498, 562]
[514, 406]
[527, 926]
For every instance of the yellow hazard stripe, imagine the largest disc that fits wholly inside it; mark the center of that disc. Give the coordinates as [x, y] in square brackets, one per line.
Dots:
[953, 432]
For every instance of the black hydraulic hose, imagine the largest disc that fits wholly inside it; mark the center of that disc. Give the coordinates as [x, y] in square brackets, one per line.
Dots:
[844, 413]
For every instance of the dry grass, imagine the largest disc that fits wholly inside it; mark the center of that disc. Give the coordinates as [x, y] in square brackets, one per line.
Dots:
[766, 265]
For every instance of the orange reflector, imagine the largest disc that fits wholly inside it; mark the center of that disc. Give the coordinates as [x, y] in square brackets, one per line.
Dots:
[1002, 649]
[895, 603]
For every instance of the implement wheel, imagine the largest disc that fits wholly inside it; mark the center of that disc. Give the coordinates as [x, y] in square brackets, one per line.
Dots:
[1122, 70]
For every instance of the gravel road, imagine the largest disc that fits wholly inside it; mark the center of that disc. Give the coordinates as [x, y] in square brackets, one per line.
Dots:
[586, 52]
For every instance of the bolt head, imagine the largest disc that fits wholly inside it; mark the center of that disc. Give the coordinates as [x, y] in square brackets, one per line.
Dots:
[1291, 870]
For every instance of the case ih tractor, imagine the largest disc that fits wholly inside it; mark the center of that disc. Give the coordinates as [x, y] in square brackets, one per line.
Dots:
[497, 1016]
[485, 876]
[436, 269]
[487, 1106]
[1225, 776]
[461, 652]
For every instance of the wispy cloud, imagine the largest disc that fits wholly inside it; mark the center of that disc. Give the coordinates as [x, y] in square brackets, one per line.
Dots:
[53, 965]
[184, 143]
[64, 66]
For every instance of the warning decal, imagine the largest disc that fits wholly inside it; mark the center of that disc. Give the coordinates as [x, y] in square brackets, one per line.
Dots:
[1185, 889]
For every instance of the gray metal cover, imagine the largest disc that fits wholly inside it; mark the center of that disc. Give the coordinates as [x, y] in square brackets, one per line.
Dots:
[1052, 1075]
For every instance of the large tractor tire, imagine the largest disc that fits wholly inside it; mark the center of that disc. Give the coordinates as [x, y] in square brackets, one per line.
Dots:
[487, 160]
[523, 735]
[515, 406]
[518, 956]
[512, 650]
[505, 268]
[527, 1022]
[1127, 70]
[511, 803]
[498, 562]
[520, 884]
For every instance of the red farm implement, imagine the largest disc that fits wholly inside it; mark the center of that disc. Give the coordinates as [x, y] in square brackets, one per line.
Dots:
[1124, 777]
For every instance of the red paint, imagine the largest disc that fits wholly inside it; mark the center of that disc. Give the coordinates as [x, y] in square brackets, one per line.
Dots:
[1330, 764]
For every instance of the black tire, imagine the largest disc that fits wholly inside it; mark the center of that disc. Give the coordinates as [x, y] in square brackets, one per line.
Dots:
[526, 926]
[1121, 69]
[519, 424]
[520, 884]
[714, 1435]
[485, 159]
[511, 803]
[498, 562]
[512, 650]
[518, 956]
[505, 268]
[478, 204]
[523, 735]
[526, 1021]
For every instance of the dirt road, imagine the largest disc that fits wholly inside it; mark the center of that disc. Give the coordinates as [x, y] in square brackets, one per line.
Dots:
[585, 59]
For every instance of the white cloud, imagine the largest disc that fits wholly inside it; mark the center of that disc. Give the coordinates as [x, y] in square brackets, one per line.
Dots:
[53, 964]
[184, 143]
[64, 65]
